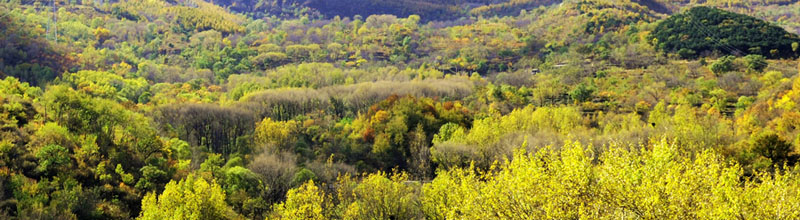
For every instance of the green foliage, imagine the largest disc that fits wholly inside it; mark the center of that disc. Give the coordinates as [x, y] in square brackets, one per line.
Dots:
[772, 147]
[484, 143]
[508, 7]
[213, 165]
[180, 149]
[53, 159]
[687, 53]
[240, 178]
[447, 132]
[388, 128]
[608, 15]
[108, 85]
[565, 183]
[581, 93]
[550, 112]
[723, 65]
[303, 176]
[152, 177]
[702, 29]
[756, 62]
[444, 197]
[26, 53]
[127, 178]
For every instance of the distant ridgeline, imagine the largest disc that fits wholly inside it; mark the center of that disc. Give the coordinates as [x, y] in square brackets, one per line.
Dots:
[703, 30]
[427, 9]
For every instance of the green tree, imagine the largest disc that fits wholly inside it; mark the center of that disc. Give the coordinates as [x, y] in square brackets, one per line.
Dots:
[581, 93]
[154, 175]
[708, 29]
[723, 65]
[53, 159]
[756, 62]
[302, 176]
[772, 147]
[240, 178]
[687, 53]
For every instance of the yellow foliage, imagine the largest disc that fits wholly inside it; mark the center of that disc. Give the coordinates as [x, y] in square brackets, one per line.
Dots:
[302, 203]
[207, 17]
[559, 119]
[379, 197]
[191, 198]
[275, 134]
[658, 182]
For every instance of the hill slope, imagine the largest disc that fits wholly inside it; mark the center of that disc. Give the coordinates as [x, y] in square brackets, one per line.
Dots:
[186, 109]
[428, 9]
[704, 29]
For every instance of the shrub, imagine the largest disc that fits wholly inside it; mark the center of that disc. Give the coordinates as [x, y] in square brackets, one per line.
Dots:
[756, 62]
[724, 64]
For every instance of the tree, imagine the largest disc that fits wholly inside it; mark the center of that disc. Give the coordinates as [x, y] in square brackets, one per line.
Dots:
[581, 93]
[239, 178]
[305, 202]
[708, 29]
[26, 52]
[270, 59]
[389, 127]
[756, 62]
[154, 175]
[245, 190]
[53, 159]
[220, 129]
[302, 176]
[276, 135]
[449, 195]
[190, 198]
[773, 148]
[276, 172]
[101, 35]
[419, 160]
[379, 197]
[687, 53]
[723, 65]
[108, 85]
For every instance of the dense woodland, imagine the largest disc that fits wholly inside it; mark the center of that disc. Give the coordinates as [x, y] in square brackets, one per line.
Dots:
[417, 109]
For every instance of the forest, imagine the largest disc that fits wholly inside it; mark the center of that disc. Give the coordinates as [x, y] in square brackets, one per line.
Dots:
[409, 109]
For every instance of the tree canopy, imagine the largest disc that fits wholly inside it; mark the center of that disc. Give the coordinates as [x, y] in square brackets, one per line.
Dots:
[411, 109]
[706, 29]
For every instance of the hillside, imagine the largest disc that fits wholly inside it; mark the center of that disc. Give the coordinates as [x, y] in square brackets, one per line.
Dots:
[704, 30]
[414, 109]
[428, 9]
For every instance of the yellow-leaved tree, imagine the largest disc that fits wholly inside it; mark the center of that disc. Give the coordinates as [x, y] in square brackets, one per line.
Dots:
[305, 202]
[276, 135]
[662, 180]
[380, 197]
[190, 198]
